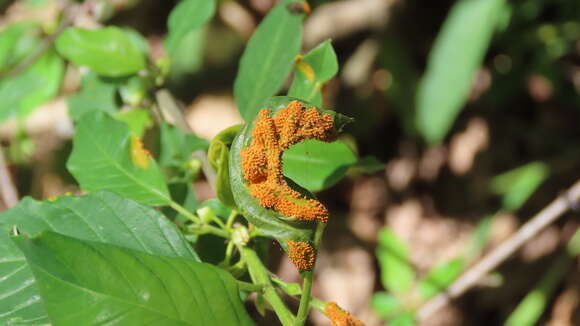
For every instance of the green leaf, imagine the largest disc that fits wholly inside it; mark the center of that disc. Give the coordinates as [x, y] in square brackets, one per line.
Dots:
[101, 216]
[369, 164]
[386, 305]
[397, 274]
[17, 41]
[20, 303]
[101, 283]
[96, 95]
[269, 222]
[406, 319]
[186, 17]
[23, 93]
[106, 156]
[531, 308]
[187, 58]
[177, 146]
[517, 185]
[312, 71]
[480, 237]
[440, 277]
[138, 40]
[105, 217]
[574, 244]
[455, 57]
[218, 157]
[108, 51]
[267, 59]
[138, 120]
[317, 165]
[176, 150]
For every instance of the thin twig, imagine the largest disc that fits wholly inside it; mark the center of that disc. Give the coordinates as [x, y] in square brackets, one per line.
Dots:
[545, 217]
[8, 191]
[172, 113]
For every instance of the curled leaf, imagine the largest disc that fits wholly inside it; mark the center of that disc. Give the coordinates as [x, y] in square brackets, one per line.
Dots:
[218, 158]
[278, 207]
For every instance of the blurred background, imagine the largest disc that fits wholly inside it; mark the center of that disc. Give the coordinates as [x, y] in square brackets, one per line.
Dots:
[467, 119]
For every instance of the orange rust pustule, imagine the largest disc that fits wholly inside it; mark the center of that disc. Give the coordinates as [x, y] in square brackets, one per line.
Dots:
[302, 255]
[339, 316]
[262, 160]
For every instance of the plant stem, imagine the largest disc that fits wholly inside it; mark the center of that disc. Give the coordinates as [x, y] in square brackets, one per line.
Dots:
[249, 287]
[229, 253]
[231, 219]
[201, 227]
[288, 288]
[261, 276]
[304, 308]
[318, 304]
[183, 211]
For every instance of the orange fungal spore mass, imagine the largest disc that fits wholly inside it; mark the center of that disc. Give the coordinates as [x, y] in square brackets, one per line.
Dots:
[339, 316]
[262, 160]
[301, 254]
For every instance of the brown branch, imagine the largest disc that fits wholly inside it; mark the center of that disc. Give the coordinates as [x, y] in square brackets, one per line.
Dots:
[8, 191]
[545, 217]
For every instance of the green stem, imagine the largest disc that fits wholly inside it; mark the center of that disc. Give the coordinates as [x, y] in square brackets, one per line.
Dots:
[318, 304]
[261, 276]
[249, 287]
[183, 211]
[231, 219]
[205, 229]
[229, 253]
[304, 299]
[199, 228]
[291, 290]
[304, 308]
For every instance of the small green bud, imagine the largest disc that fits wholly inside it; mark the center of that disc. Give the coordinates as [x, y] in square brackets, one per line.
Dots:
[240, 236]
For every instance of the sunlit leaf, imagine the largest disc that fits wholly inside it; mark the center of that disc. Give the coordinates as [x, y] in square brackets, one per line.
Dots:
[24, 92]
[317, 165]
[386, 305]
[406, 319]
[108, 51]
[534, 304]
[267, 59]
[96, 94]
[138, 120]
[312, 71]
[101, 216]
[111, 161]
[397, 274]
[103, 283]
[186, 17]
[455, 57]
[517, 185]
[17, 41]
[20, 304]
[440, 277]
